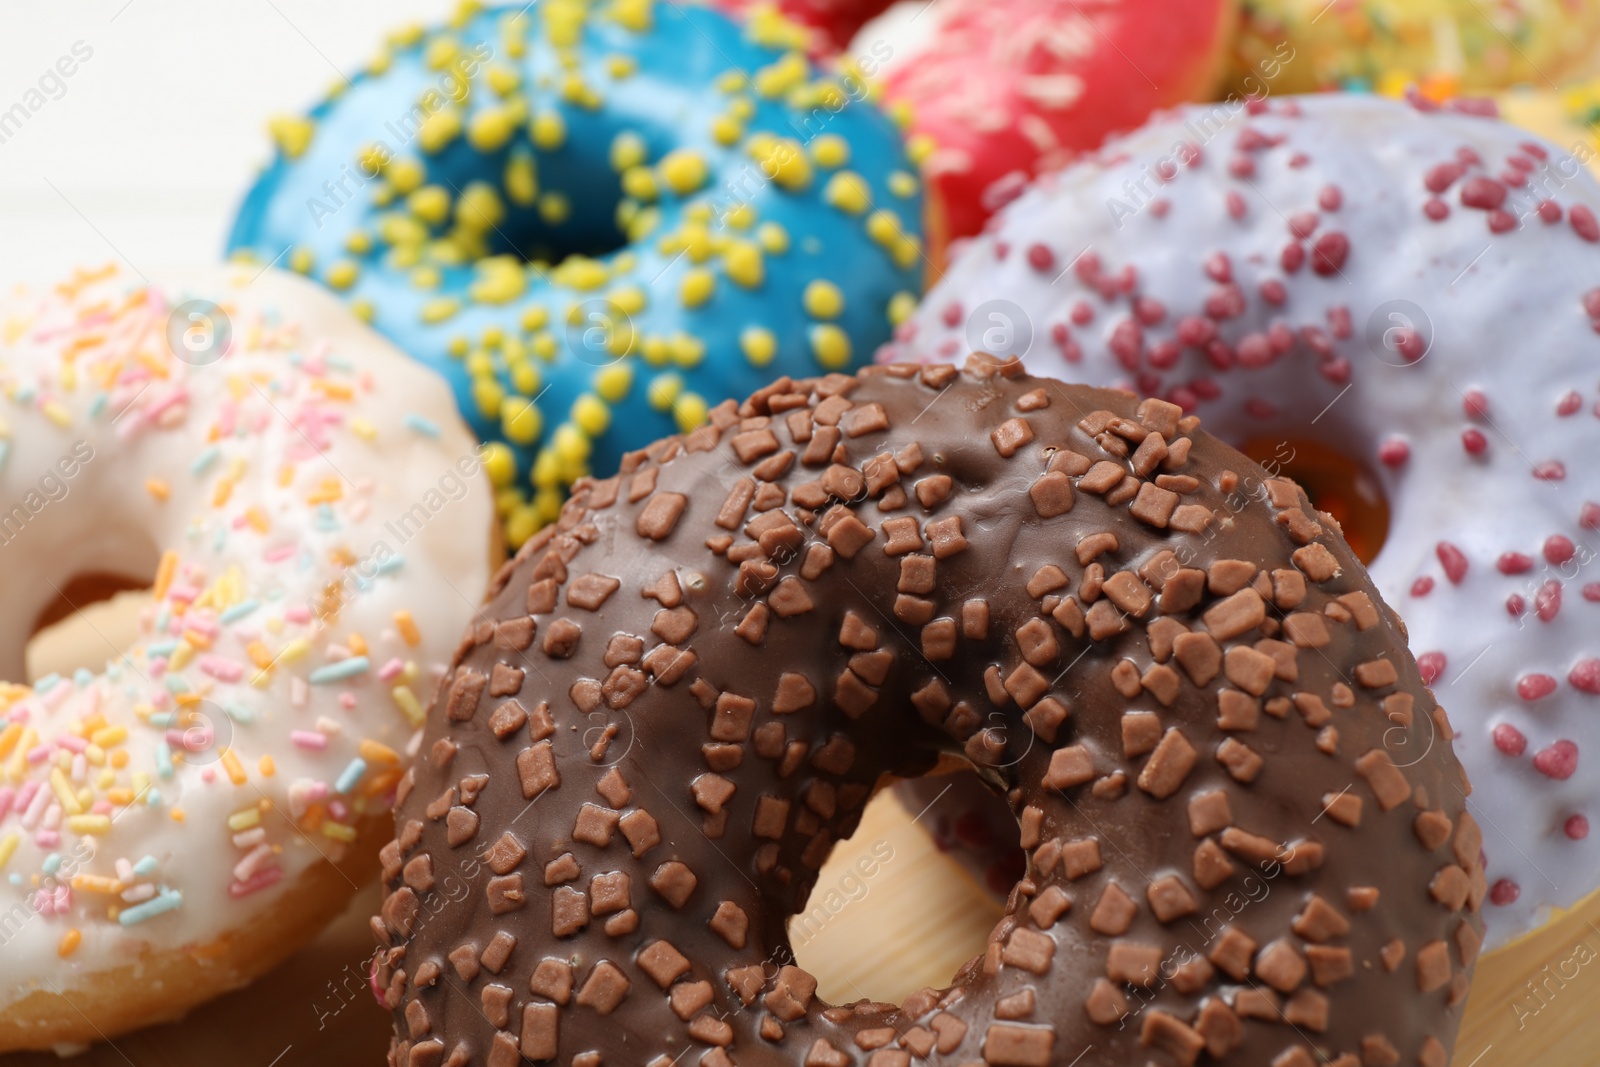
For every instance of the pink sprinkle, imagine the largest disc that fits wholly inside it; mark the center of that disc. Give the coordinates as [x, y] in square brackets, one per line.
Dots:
[1436, 209]
[1432, 665]
[1586, 676]
[75, 744]
[1454, 561]
[261, 880]
[47, 838]
[1569, 404]
[1394, 452]
[1516, 605]
[1329, 252]
[7, 795]
[391, 670]
[347, 701]
[246, 868]
[1510, 740]
[1559, 761]
[1547, 601]
[38, 754]
[1559, 549]
[278, 554]
[1422, 586]
[1514, 563]
[1549, 211]
[1474, 404]
[299, 615]
[223, 670]
[1502, 893]
[1583, 222]
[1576, 827]
[1474, 442]
[1041, 259]
[1535, 686]
[1589, 516]
[309, 739]
[1591, 592]
[1486, 194]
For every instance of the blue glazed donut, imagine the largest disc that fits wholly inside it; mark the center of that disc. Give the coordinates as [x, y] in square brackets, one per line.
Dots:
[597, 220]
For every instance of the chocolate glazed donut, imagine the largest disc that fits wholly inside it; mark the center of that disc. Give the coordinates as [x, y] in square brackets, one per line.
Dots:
[1245, 820]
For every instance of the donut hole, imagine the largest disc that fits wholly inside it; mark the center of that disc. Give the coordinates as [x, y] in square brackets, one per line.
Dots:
[577, 216]
[892, 911]
[93, 617]
[1343, 487]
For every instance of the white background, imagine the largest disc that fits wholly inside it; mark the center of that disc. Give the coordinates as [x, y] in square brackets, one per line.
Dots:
[158, 135]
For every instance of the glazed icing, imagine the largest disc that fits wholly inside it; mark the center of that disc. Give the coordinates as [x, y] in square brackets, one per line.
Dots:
[302, 606]
[593, 258]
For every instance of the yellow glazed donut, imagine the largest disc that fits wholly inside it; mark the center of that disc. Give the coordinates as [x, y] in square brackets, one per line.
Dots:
[1444, 46]
[313, 516]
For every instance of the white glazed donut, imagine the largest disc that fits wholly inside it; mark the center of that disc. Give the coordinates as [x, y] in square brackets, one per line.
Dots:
[1419, 291]
[308, 503]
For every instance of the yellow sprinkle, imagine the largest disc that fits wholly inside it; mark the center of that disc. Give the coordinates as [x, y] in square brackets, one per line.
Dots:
[407, 702]
[294, 651]
[503, 80]
[69, 942]
[8, 847]
[901, 306]
[244, 818]
[520, 421]
[831, 346]
[773, 237]
[760, 345]
[158, 489]
[439, 309]
[591, 415]
[698, 287]
[406, 175]
[235, 769]
[431, 203]
[787, 73]
[848, 192]
[89, 824]
[830, 150]
[119, 758]
[438, 130]
[690, 411]
[686, 350]
[664, 391]
[356, 644]
[266, 766]
[907, 251]
[635, 15]
[684, 170]
[259, 654]
[95, 883]
[744, 264]
[823, 300]
[343, 274]
[480, 208]
[57, 413]
[490, 129]
[292, 134]
[549, 130]
[613, 382]
[9, 737]
[726, 130]
[177, 815]
[375, 752]
[884, 228]
[64, 793]
[627, 150]
[522, 179]
[338, 831]
[782, 159]
[554, 208]
[902, 184]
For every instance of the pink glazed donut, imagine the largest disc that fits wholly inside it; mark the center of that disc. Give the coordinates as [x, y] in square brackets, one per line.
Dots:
[1398, 306]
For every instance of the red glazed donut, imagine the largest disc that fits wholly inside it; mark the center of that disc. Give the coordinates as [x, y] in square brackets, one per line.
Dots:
[681, 695]
[998, 91]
